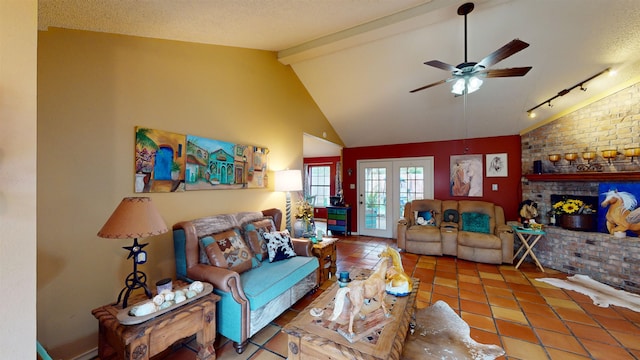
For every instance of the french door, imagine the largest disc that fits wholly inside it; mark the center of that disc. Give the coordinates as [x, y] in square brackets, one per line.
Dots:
[384, 186]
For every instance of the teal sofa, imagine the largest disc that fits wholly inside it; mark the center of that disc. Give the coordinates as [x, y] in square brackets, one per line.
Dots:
[251, 299]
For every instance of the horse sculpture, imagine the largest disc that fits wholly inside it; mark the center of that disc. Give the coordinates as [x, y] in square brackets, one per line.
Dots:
[622, 214]
[398, 282]
[359, 290]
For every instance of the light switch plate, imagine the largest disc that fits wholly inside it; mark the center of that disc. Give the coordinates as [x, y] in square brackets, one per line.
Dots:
[494, 187]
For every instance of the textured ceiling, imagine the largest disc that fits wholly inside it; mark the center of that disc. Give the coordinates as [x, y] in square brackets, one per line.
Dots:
[359, 58]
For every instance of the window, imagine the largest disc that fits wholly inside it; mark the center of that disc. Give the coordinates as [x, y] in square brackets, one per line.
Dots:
[320, 184]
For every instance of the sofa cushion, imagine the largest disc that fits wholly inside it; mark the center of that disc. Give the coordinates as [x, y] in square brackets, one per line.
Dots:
[279, 246]
[475, 222]
[254, 235]
[262, 286]
[235, 251]
[478, 240]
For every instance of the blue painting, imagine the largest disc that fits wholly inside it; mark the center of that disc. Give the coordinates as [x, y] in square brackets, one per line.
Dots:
[618, 208]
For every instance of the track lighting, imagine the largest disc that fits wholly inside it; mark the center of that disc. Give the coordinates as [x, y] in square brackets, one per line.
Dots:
[564, 92]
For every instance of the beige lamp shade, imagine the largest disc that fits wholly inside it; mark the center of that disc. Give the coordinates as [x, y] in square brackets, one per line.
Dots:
[135, 217]
[288, 180]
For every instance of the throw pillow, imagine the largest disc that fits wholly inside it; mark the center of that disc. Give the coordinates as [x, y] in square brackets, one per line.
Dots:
[425, 218]
[279, 246]
[234, 250]
[210, 253]
[254, 235]
[475, 222]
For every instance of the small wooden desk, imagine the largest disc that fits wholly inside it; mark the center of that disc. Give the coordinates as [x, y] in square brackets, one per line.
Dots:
[325, 251]
[144, 340]
[529, 239]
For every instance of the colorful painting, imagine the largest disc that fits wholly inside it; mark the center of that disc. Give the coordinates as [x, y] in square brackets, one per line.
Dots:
[159, 161]
[466, 175]
[169, 162]
[618, 208]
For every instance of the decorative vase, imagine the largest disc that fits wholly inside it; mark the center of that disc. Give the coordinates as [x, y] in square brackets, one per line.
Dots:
[578, 222]
[139, 185]
[299, 228]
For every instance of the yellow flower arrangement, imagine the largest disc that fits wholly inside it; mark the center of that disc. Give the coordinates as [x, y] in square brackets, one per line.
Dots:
[572, 206]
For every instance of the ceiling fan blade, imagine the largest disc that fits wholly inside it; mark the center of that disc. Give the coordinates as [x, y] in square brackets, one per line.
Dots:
[504, 52]
[441, 65]
[430, 85]
[518, 71]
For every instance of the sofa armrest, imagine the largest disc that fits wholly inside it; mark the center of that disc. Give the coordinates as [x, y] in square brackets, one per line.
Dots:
[403, 221]
[449, 225]
[302, 247]
[221, 278]
[503, 228]
[403, 224]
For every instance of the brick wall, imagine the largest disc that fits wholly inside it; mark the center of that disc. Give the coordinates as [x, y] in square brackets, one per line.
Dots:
[601, 256]
[610, 123]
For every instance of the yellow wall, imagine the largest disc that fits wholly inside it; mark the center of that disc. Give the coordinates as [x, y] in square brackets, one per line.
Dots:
[18, 49]
[93, 89]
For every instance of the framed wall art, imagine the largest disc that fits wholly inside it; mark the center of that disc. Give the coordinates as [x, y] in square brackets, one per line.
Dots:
[466, 175]
[497, 165]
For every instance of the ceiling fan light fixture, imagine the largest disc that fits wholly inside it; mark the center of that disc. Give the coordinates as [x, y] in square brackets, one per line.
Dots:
[466, 85]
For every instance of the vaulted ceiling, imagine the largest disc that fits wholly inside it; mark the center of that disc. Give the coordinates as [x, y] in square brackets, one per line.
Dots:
[360, 58]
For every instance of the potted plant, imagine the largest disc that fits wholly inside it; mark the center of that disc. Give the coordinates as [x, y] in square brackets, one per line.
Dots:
[175, 170]
[574, 214]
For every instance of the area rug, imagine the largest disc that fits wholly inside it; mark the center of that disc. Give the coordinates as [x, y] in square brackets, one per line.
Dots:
[601, 294]
[441, 334]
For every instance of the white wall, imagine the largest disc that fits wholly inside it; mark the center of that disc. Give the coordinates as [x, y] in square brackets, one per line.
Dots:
[18, 52]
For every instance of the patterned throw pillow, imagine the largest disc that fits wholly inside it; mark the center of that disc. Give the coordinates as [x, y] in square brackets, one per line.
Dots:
[279, 246]
[230, 248]
[475, 222]
[254, 235]
[425, 218]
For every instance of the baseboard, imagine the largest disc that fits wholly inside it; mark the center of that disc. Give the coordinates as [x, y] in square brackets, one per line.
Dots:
[89, 355]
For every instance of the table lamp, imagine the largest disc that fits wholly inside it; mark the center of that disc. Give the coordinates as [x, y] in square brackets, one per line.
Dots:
[134, 218]
[288, 181]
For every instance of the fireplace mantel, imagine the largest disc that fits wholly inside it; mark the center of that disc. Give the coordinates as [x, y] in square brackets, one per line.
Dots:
[585, 177]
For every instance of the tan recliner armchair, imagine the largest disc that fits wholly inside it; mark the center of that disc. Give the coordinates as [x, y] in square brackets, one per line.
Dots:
[450, 236]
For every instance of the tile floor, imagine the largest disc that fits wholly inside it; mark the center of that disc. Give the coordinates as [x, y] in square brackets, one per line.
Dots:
[531, 320]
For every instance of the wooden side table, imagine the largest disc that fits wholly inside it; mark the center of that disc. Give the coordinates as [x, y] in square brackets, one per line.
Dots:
[325, 251]
[144, 340]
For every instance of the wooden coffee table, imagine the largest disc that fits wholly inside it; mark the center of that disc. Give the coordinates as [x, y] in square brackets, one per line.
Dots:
[310, 337]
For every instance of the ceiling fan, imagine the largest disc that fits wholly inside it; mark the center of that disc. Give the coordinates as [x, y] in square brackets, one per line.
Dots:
[468, 76]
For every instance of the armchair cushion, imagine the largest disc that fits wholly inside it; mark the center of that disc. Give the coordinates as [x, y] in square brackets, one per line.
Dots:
[475, 222]
[279, 246]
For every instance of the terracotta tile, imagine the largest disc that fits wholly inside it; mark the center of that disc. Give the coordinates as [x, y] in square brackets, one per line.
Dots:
[266, 355]
[517, 331]
[503, 302]
[533, 308]
[471, 287]
[554, 293]
[439, 280]
[472, 295]
[227, 352]
[469, 279]
[617, 324]
[495, 283]
[265, 334]
[469, 272]
[488, 268]
[508, 314]
[630, 340]
[502, 292]
[563, 303]
[546, 322]
[529, 297]
[556, 354]
[485, 337]
[452, 301]
[595, 333]
[285, 317]
[423, 296]
[600, 350]
[475, 307]
[491, 276]
[180, 354]
[578, 297]
[593, 309]
[575, 315]
[446, 275]
[628, 314]
[445, 290]
[479, 321]
[519, 349]
[278, 344]
[560, 341]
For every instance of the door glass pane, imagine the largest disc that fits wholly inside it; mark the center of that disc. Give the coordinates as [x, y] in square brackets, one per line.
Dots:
[411, 184]
[375, 194]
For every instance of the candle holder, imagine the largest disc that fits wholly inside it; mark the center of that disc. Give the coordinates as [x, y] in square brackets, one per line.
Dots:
[571, 157]
[609, 154]
[554, 158]
[632, 153]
